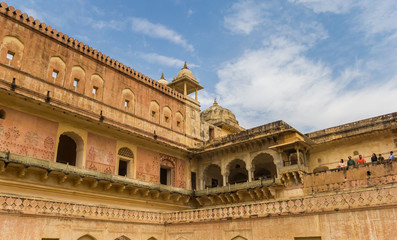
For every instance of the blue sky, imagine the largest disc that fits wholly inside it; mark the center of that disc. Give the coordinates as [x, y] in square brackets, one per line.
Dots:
[311, 63]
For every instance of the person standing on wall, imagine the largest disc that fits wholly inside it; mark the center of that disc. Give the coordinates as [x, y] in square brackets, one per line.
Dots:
[391, 156]
[360, 160]
[374, 158]
[351, 162]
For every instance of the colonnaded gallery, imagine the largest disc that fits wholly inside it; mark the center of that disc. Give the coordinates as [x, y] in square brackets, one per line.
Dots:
[91, 149]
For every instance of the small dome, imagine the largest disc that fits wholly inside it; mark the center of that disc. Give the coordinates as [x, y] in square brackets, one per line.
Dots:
[185, 72]
[162, 80]
[220, 116]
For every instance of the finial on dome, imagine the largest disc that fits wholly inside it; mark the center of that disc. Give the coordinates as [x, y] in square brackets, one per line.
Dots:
[162, 76]
[185, 66]
[215, 102]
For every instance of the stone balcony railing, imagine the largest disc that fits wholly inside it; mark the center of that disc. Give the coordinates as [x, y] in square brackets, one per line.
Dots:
[365, 175]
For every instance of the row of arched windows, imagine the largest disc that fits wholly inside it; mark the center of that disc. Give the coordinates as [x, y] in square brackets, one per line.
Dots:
[12, 50]
[165, 117]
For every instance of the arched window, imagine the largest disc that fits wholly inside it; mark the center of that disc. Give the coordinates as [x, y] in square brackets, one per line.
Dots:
[56, 70]
[127, 100]
[70, 149]
[77, 79]
[213, 176]
[154, 111]
[264, 167]
[86, 237]
[179, 122]
[237, 171]
[126, 160]
[239, 238]
[122, 238]
[11, 51]
[96, 89]
[167, 117]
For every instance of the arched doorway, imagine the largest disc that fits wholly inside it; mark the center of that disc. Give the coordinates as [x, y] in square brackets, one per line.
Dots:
[122, 238]
[237, 171]
[126, 159]
[239, 238]
[86, 237]
[213, 176]
[264, 167]
[70, 149]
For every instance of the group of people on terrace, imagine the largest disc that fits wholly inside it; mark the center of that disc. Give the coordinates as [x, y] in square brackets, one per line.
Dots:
[361, 160]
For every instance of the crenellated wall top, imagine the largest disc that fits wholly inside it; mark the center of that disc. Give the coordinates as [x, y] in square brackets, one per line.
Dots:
[84, 49]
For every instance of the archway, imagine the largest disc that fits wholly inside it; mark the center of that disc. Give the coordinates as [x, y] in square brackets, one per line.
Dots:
[213, 176]
[70, 149]
[126, 160]
[86, 237]
[239, 238]
[264, 167]
[237, 171]
[122, 238]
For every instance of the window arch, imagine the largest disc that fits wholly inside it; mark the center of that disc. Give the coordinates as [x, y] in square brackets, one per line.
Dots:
[125, 161]
[179, 122]
[77, 79]
[239, 238]
[167, 117]
[154, 111]
[96, 87]
[128, 100]
[122, 238]
[70, 149]
[11, 51]
[56, 70]
[86, 237]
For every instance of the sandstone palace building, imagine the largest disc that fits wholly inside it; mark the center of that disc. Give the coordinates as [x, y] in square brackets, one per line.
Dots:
[91, 149]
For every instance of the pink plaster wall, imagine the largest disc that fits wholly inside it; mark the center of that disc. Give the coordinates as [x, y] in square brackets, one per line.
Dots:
[148, 167]
[101, 153]
[27, 135]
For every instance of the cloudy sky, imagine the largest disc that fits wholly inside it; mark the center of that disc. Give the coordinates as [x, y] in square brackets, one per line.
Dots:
[312, 63]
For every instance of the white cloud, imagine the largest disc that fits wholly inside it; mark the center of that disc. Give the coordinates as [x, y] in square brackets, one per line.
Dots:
[244, 16]
[190, 12]
[278, 81]
[154, 30]
[164, 60]
[334, 6]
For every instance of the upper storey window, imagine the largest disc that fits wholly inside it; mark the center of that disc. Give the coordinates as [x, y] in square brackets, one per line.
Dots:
[127, 100]
[55, 74]
[75, 82]
[11, 51]
[95, 90]
[10, 55]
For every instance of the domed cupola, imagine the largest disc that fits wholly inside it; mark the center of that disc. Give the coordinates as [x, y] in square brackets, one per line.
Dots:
[162, 80]
[185, 82]
[221, 117]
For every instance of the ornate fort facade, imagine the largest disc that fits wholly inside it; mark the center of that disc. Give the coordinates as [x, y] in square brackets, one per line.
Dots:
[91, 149]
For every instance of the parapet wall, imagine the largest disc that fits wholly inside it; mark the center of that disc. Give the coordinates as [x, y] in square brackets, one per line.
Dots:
[355, 128]
[361, 176]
